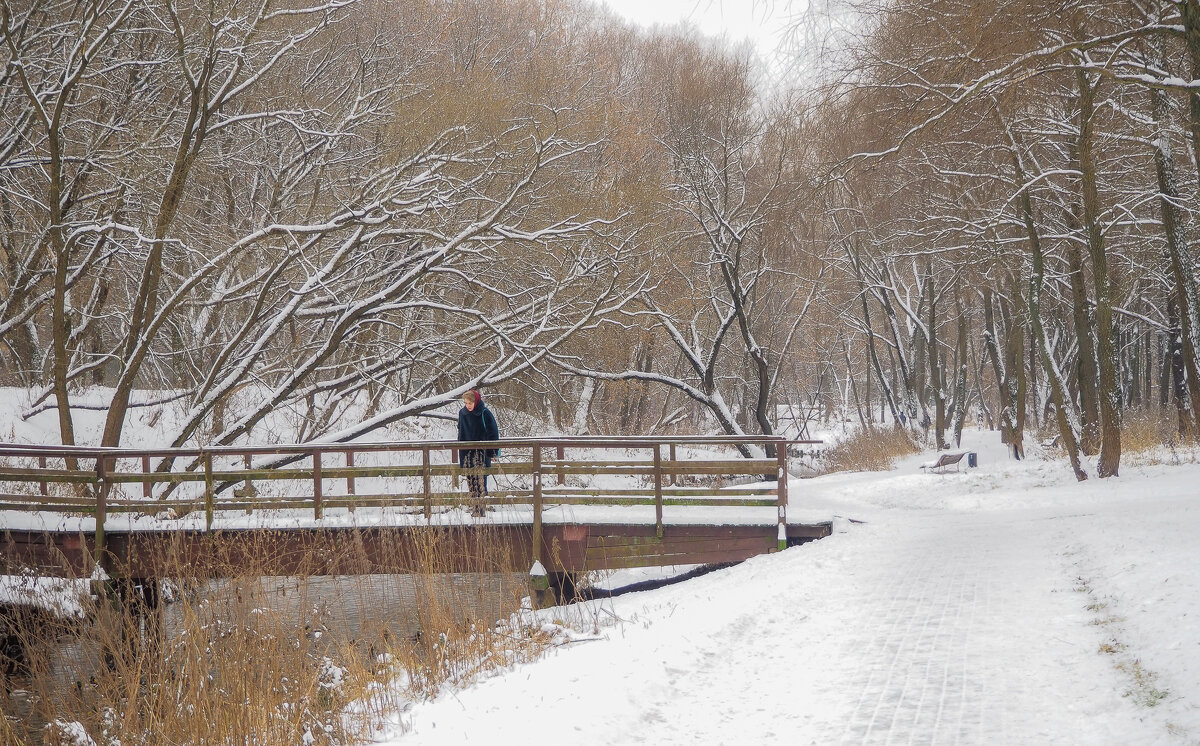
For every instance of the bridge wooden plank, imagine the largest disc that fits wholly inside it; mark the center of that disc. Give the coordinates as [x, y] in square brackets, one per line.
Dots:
[155, 477]
[672, 537]
[58, 554]
[680, 552]
[153, 507]
[668, 501]
[26, 507]
[726, 468]
[677, 547]
[326, 551]
[696, 555]
[364, 472]
[809, 530]
[351, 551]
[667, 491]
[306, 475]
[622, 532]
[598, 556]
[708, 558]
[14, 474]
[590, 443]
[32, 502]
[437, 499]
[508, 497]
[740, 542]
[616, 546]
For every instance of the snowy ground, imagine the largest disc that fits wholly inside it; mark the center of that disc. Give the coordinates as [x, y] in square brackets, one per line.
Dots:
[1002, 605]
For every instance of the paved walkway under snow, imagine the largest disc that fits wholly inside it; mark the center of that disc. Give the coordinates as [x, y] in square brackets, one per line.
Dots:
[940, 620]
[949, 632]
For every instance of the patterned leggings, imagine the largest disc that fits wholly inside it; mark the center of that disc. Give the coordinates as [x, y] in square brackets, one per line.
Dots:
[473, 463]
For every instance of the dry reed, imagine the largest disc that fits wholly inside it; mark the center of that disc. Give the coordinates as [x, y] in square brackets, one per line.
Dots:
[239, 665]
[868, 449]
[1145, 430]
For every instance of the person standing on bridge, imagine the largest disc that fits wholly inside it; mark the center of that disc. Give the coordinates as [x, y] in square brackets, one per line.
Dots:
[476, 423]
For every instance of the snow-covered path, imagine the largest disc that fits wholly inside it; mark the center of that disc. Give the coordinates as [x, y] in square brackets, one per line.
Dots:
[958, 631]
[1016, 620]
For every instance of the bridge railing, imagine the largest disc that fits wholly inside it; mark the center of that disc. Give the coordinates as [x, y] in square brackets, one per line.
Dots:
[419, 477]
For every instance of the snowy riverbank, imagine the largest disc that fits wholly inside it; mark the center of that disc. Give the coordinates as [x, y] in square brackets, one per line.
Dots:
[1006, 604]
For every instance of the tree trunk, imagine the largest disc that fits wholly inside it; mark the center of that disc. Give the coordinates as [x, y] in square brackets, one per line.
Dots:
[978, 361]
[936, 382]
[862, 418]
[1010, 430]
[1086, 370]
[887, 392]
[1017, 384]
[1110, 406]
[912, 403]
[1033, 379]
[1178, 253]
[960, 383]
[1189, 13]
[1064, 412]
[1175, 358]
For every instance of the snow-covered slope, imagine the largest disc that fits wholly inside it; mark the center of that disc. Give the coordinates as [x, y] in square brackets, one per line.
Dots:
[1002, 605]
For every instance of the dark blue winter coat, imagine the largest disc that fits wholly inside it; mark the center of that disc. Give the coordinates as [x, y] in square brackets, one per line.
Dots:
[475, 425]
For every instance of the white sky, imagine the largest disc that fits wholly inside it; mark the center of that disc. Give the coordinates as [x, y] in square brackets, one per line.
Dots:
[761, 21]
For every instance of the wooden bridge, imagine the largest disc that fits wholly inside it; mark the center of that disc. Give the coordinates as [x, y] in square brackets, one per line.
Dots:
[570, 504]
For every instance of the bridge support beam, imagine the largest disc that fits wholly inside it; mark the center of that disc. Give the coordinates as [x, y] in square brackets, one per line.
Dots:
[563, 548]
[137, 604]
[564, 586]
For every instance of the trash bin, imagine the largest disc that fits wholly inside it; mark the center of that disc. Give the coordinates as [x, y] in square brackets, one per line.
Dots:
[972, 460]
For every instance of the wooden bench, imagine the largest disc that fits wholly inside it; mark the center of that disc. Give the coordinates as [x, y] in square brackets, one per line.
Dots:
[943, 461]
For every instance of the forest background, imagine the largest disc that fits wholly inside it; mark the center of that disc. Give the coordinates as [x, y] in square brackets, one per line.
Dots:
[954, 211]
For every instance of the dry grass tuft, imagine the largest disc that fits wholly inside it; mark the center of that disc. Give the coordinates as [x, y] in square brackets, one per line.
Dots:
[1111, 648]
[1144, 690]
[1145, 430]
[870, 449]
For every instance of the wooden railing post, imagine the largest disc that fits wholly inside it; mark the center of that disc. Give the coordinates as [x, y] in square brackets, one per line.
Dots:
[101, 509]
[248, 462]
[781, 492]
[537, 504]
[560, 454]
[454, 460]
[426, 480]
[208, 491]
[350, 477]
[658, 497]
[317, 498]
[42, 486]
[146, 485]
[674, 477]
